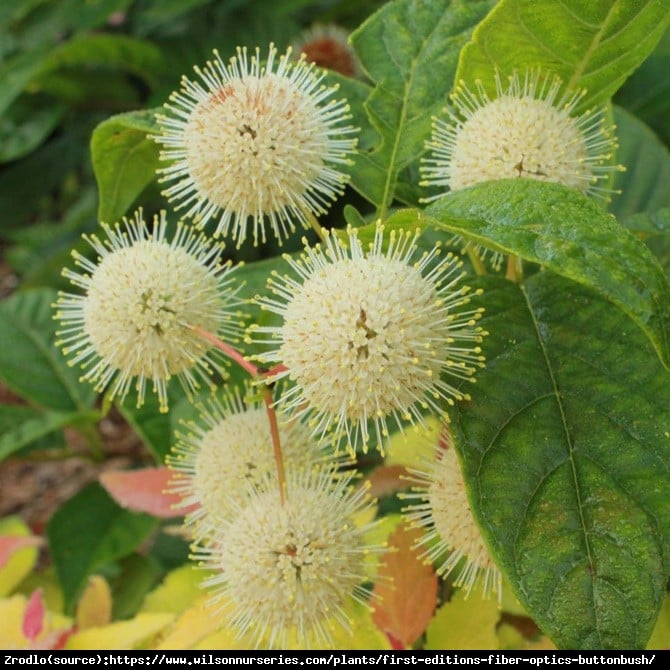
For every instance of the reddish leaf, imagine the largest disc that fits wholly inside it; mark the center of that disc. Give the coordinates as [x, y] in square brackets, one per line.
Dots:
[33, 618]
[12, 543]
[407, 590]
[387, 479]
[143, 491]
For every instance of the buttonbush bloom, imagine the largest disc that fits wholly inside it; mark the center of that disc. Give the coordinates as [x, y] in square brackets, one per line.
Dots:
[368, 335]
[442, 508]
[252, 142]
[141, 298]
[289, 572]
[529, 129]
[227, 451]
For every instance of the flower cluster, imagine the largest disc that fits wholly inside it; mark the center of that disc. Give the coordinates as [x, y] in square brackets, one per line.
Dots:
[368, 331]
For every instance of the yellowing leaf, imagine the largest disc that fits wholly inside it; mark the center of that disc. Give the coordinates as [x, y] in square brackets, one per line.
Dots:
[406, 448]
[95, 605]
[660, 638]
[509, 601]
[198, 621]
[120, 635]
[177, 591]
[510, 637]
[363, 634]
[11, 615]
[20, 562]
[406, 588]
[464, 623]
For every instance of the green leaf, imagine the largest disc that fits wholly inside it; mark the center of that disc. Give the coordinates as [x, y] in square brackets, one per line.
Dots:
[137, 577]
[570, 234]
[644, 184]
[20, 426]
[566, 451]
[25, 125]
[654, 229]
[590, 45]
[89, 531]
[409, 49]
[124, 160]
[132, 55]
[30, 364]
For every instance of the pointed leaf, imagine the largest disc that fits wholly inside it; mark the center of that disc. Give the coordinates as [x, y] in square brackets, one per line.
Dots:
[10, 544]
[409, 49]
[591, 45]
[566, 452]
[571, 235]
[18, 561]
[89, 531]
[124, 161]
[30, 363]
[406, 588]
[33, 617]
[95, 605]
[143, 491]
[464, 623]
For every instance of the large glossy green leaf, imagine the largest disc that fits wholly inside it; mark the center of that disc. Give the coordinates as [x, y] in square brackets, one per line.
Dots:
[409, 48]
[566, 448]
[30, 364]
[124, 161]
[570, 234]
[644, 184]
[89, 531]
[591, 45]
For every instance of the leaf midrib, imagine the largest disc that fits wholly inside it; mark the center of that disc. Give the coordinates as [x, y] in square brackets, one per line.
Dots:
[557, 395]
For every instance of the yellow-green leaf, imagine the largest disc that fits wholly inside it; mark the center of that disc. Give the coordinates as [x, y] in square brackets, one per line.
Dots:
[95, 605]
[21, 562]
[464, 623]
[122, 634]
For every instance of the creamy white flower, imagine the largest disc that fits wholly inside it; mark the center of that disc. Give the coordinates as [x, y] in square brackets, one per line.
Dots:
[255, 142]
[229, 451]
[142, 298]
[368, 335]
[529, 129]
[289, 572]
[442, 508]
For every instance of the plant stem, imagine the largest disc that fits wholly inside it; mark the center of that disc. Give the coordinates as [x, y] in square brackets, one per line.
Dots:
[476, 261]
[514, 269]
[276, 443]
[231, 352]
[249, 367]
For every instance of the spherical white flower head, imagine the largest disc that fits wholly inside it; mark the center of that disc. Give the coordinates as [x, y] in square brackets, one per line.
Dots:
[443, 510]
[229, 451]
[371, 335]
[526, 131]
[142, 298]
[290, 571]
[255, 142]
